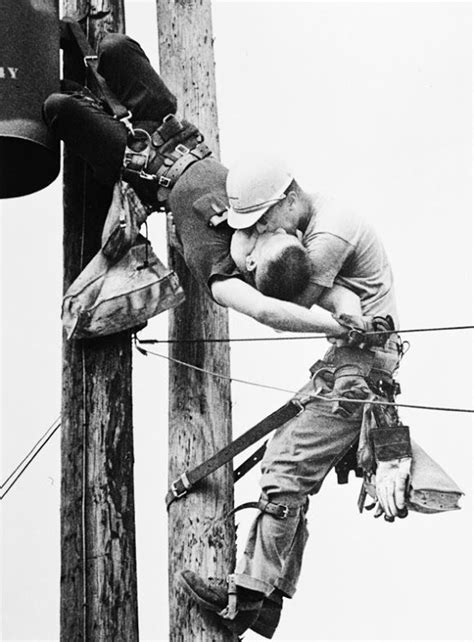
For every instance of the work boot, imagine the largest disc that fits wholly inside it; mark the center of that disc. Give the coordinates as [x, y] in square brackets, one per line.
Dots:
[211, 595]
[269, 616]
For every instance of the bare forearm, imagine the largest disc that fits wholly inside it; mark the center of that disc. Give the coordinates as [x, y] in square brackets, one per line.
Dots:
[294, 318]
[280, 315]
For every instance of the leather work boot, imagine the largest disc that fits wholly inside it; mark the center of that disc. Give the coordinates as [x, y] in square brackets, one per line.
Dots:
[212, 596]
[269, 616]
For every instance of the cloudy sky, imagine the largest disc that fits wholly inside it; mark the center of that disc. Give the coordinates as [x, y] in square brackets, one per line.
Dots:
[372, 102]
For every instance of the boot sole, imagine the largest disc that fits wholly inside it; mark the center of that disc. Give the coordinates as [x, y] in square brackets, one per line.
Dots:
[209, 606]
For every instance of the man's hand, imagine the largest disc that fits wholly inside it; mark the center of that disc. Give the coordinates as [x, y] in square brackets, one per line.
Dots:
[391, 484]
[360, 329]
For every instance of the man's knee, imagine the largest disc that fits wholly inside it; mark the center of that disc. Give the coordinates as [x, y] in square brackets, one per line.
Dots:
[55, 106]
[114, 46]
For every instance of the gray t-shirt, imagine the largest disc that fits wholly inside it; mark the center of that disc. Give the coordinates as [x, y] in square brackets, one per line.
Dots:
[345, 250]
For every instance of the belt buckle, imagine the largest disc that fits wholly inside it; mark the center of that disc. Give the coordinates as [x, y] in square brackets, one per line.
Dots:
[285, 512]
[175, 491]
[182, 149]
[164, 181]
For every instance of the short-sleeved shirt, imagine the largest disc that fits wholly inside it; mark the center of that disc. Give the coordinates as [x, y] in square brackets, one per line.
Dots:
[197, 196]
[345, 250]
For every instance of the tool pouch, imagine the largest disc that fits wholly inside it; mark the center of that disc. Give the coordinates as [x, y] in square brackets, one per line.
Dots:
[431, 489]
[349, 383]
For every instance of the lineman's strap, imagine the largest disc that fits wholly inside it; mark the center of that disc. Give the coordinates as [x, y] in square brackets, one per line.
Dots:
[190, 478]
[90, 61]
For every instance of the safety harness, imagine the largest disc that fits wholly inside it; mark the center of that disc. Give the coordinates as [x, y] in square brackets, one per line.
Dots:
[185, 482]
[384, 437]
[160, 157]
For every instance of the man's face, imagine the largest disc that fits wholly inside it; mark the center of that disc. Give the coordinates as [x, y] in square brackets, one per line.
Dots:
[288, 214]
[276, 218]
[241, 246]
[249, 249]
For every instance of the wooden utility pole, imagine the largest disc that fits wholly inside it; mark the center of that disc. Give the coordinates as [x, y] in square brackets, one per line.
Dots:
[200, 407]
[98, 563]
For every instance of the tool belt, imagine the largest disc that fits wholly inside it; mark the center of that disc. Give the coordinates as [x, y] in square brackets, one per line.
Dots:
[376, 365]
[162, 156]
[353, 375]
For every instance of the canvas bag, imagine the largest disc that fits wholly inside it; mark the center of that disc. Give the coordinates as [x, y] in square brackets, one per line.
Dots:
[124, 219]
[111, 297]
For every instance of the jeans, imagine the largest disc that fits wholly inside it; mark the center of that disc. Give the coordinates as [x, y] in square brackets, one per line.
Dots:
[297, 460]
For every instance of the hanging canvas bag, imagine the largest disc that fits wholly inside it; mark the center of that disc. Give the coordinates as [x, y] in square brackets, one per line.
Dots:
[125, 216]
[111, 297]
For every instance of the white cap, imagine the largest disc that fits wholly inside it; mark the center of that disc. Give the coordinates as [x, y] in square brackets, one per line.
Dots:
[254, 184]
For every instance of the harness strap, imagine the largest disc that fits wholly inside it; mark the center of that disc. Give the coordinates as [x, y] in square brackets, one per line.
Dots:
[181, 486]
[90, 60]
[171, 167]
[168, 175]
[249, 463]
[280, 511]
[231, 610]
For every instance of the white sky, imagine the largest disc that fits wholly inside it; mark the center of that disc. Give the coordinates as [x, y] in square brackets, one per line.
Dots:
[372, 102]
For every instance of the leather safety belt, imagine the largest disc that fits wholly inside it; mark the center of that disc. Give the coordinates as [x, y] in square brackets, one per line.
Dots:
[181, 486]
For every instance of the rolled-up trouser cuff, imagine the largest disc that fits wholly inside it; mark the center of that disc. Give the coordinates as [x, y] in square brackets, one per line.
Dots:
[252, 583]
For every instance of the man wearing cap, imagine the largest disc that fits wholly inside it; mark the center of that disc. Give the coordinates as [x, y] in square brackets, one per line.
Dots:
[349, 262]
[196, 196]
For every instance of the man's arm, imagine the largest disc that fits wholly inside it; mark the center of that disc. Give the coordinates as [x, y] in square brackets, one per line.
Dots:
[280, 315]
[337, 299]
[340, 300]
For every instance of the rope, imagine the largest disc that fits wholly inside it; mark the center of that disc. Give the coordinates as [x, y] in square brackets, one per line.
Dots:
[53, 428]
[84, 411]
[294, 392]
[84, 493]
[300, 337]
[53, 425]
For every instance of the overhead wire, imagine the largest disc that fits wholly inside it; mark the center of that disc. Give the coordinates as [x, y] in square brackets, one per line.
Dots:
[52, 429]
[218, 375]
[303, 337]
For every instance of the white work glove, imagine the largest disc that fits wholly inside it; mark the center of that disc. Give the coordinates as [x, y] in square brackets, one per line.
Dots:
[391, 484]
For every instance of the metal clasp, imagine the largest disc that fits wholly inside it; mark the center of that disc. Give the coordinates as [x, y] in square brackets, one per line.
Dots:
[182, 149]
[127, 121]
[175, 491]
[164, 181]
[86, 59]
[299, 404]
[186, 484]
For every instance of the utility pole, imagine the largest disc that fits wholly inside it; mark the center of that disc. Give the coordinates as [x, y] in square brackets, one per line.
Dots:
[98, 562]
[200, 406]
